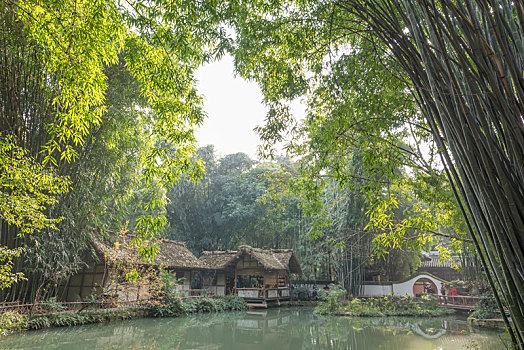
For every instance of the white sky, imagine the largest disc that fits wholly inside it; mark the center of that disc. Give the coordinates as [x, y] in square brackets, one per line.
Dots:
[234, 107]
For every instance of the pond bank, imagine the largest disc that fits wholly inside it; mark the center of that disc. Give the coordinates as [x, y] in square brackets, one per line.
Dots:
[277, 328]
[492, 323]
[14, 322]
[332, 303]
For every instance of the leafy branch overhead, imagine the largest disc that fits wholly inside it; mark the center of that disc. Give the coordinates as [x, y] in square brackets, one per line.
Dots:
[460, 61]
[73, 44]
[362, 129]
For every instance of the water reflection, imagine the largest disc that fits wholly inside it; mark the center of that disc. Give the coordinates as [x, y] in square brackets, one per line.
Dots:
[269, 330]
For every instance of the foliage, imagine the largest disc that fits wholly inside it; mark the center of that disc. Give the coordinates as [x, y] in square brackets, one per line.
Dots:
[67, 319]
[198, 305]
[10, 321]
[167, 307]
[13, 321]
[301, 294]
[386, 306]
[205, 304]
[362, 132]
[368, 168]
[166, 298]
[131, 275]
[486, 307]
[102, 94]
[172, 307]
[396, 265]
[226, 209]
[7, 277]
[97, 96]
[331, 300]
[234, 303]
[101, 180]
[461, 62]
[240, 201]
[450, 79]
[53, 305]
[27, 189]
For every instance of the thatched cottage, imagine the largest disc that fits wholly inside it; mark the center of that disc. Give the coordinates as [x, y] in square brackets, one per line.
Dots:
[105, 270]
[261, 276]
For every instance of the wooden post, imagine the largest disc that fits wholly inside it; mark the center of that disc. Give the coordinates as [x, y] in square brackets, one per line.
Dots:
[235, 284]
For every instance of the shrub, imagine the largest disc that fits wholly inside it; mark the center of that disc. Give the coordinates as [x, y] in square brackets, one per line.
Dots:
[385, 306]
[430, 301]
[204, 304]
[167, 300]
[331, 301]
[10, 321]
[67, 319]
[235, 303]
[166, 307]
[486, 307]
[301, 294]
[52, 305]
[199, 305]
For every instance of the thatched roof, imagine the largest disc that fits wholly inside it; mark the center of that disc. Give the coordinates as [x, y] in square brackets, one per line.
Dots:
[218, 259]
[171, 254]
[270, 259]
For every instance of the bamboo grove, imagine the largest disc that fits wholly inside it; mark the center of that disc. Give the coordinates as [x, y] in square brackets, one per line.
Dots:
[96, 97]
[465, 60]
[99, 100]
[462, 61]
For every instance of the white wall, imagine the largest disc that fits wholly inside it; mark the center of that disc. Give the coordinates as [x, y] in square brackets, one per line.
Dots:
[377, 289]
[404, 288]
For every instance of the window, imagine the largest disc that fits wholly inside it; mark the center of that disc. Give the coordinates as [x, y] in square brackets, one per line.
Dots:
[196, 280]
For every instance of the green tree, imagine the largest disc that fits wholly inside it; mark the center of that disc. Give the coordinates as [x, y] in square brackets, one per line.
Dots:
[101, 93]
[459, 61]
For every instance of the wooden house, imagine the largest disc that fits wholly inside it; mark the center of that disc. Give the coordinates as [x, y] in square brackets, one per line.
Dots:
[111, 258]
[261, 276]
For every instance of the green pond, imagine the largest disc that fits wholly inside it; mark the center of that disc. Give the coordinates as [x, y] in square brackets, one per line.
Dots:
[285, 328]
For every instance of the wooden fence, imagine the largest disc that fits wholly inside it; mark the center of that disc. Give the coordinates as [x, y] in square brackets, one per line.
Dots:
[458, 300]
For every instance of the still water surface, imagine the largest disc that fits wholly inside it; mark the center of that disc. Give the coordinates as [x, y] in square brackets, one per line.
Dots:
[286, 328]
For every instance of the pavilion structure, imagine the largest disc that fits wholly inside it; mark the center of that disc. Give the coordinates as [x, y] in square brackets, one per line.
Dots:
[261, 276]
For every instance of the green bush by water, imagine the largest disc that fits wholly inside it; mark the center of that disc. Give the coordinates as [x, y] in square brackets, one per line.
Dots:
[167, 307]
[331, 301]
[228, 303]
[486, 307]
[172, 307]
[13, 321]
[10, 321]
[302, 294]
[332, 304]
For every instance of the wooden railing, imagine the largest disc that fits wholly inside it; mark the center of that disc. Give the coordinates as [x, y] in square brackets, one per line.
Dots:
[457, 300]
[205, 292]
[263, 293]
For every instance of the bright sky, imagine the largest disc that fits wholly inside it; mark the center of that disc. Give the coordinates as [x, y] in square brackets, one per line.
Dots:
[234, 107]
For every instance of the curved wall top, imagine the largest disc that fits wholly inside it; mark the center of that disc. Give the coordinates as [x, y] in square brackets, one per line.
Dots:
[406, 288]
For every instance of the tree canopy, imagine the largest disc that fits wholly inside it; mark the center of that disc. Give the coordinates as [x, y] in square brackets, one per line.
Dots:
[459, 60]
[414, 112]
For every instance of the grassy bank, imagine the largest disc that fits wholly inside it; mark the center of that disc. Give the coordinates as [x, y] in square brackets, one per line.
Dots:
[12, 321]
[332, 304]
